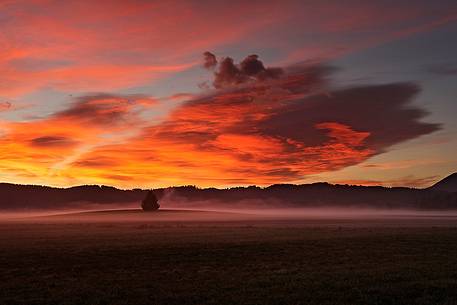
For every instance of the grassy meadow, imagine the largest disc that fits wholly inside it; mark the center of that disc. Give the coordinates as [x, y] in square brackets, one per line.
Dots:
[204, 258]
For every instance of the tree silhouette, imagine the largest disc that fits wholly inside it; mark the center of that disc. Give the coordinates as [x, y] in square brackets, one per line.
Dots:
[150, 203]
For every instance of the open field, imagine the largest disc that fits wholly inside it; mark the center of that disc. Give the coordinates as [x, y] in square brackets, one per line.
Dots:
[185, 257]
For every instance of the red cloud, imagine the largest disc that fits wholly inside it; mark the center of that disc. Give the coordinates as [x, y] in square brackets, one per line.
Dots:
[260, 131]
[269, 131]
[99, 46]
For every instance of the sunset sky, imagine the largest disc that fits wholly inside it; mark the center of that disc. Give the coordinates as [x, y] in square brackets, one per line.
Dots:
[224, 93]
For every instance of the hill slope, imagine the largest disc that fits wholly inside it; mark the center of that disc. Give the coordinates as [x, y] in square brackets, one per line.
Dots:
[448, 184]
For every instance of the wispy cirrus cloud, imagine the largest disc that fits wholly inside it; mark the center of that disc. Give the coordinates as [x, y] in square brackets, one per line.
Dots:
[101, 46]
[410, 181]
[41, 147]
[81, 46]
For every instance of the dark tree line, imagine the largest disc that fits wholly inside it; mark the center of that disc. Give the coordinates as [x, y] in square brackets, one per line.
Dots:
[15, 196]
[20, 197]
[316, 195]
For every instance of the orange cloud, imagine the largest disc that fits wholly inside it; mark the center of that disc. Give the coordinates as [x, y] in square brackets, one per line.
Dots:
[228, 159]
[260, 131]
[263, 132]
[41, 147]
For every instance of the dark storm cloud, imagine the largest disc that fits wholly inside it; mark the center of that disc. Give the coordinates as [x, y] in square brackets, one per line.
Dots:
[52, 141]
[281, 111]
[210, 60]
[228, 73]
[383, 110]
[253, 67]
[294, 124]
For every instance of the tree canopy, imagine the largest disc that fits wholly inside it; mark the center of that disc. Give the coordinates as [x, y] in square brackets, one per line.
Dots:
[150, 203]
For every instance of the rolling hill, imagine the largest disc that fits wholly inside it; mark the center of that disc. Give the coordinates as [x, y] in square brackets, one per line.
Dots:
[448, 184]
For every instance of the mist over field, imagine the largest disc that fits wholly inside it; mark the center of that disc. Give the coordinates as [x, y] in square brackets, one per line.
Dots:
[289, 217]
[273, 245]
[33, 199]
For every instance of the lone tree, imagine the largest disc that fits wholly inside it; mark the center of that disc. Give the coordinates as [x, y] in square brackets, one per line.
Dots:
[150, 203]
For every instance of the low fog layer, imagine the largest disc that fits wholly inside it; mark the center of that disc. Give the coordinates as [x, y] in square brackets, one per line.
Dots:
[293, 217]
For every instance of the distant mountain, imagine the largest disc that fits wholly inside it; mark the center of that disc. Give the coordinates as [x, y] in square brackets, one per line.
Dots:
[32, 197]
[448, 184]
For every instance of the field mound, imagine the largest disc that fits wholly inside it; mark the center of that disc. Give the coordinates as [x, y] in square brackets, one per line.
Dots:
[138, 215]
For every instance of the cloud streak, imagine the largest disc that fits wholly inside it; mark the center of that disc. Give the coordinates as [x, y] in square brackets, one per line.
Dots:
[410, 180]
[111, 45]
[41, 148]
[5, 106]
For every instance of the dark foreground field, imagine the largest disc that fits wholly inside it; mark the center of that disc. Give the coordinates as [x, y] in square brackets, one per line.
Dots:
[168, 258]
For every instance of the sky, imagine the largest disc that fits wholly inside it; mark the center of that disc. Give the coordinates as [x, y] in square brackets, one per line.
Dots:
[227, 93]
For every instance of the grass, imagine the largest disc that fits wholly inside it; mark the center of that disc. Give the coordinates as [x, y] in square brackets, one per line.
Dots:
[226, 263]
